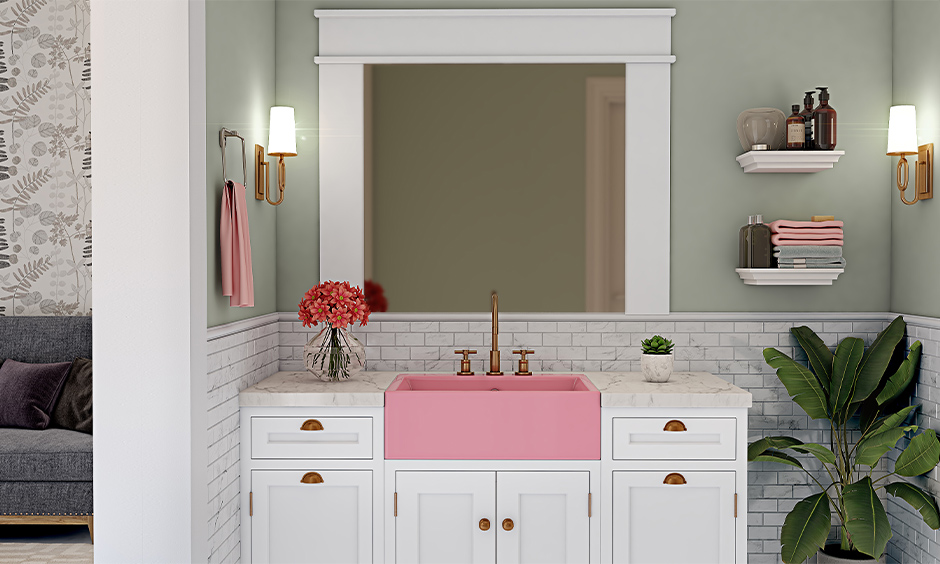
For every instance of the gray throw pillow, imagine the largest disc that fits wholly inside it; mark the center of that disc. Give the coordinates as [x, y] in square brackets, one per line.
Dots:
[73, 410]
[28, 392]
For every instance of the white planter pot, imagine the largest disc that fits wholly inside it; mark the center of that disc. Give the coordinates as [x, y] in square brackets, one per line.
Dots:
[823, 558]
[656, 367]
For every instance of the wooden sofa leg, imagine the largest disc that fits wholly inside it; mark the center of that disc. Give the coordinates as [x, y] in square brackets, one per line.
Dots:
[91, 528]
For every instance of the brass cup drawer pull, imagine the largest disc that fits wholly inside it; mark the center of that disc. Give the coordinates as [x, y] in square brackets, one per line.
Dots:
[508, 524]
[675, 426]
[484, 524]
[312, 478]
[675, 479]
[311, 425]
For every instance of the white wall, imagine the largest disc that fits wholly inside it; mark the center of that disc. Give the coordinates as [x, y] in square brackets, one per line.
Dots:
[150, 311]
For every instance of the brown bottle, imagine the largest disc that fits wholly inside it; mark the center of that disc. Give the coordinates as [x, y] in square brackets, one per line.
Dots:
[796, 130]
[807, 114]
[759, 249]
[744, 259]
[824, 122]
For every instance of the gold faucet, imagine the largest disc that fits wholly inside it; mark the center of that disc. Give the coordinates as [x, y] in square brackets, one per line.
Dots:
[494, 351]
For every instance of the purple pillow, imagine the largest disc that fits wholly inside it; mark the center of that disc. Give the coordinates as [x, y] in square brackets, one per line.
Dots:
[28, 392]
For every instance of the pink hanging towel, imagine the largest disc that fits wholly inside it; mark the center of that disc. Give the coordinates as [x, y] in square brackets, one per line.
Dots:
[235, 245]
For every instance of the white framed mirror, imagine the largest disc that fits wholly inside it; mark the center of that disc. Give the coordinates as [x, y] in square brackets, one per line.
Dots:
[352, 41]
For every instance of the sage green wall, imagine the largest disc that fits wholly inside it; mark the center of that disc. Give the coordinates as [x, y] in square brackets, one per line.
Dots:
[915, 233]
[239, 92]
[513, 136]
[732, 55]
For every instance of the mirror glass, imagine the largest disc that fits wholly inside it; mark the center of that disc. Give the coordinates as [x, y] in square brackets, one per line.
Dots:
[495, 177]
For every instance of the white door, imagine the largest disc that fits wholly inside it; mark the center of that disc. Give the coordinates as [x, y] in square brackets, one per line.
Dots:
[445, 517]
[542, 517]
[673, 518]
[301, 517]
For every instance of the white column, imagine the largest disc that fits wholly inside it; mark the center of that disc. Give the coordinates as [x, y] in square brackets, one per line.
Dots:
[150, 281]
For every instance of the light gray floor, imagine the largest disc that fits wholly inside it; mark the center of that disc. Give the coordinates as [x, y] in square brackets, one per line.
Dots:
[45, 544]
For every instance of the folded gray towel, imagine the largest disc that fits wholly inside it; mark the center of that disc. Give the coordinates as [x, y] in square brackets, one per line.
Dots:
[835, 262]
[808, 251]
[811, 266]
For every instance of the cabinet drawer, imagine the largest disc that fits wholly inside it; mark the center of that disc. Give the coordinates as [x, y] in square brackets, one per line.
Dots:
[660, 438]
[311, 437]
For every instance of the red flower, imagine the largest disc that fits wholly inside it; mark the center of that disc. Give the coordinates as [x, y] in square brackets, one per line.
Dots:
[375, 296]
[336, 303]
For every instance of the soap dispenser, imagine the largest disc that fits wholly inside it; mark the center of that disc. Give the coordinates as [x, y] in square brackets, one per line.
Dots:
[824, 122]
[759, 247]
[744, 259]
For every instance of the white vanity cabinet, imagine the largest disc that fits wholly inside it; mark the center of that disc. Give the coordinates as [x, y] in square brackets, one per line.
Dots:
[507, 517]
[675, 485]
[311, 481]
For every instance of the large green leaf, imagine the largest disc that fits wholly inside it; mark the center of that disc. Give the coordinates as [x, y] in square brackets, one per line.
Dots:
[866, 519]
[876, 359]
[759, 447]
[921, 456]
[901, 379]
[893, 420]
[805, 529]
[800, 383]
[777, 456]
[872, 448]
[819, 355]
[919, 500]
[844, 365]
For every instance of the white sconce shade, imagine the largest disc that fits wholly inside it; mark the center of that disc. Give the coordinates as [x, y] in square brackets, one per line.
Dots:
[902, 131]
[282, 139]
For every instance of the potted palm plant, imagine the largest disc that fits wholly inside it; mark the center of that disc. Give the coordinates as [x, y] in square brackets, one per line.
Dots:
[851, 381]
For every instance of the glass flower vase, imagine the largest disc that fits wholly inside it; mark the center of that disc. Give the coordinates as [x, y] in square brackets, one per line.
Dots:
[334, 354]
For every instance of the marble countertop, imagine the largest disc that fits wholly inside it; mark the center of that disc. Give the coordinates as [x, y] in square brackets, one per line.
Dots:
[618, 389]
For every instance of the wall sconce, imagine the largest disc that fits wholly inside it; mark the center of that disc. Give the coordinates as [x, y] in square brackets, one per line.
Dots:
[902, 141]
[282, 142]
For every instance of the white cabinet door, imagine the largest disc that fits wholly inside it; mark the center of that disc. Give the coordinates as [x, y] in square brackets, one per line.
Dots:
[685, 519]
[439, 517]
[547, 517]
[311, 517]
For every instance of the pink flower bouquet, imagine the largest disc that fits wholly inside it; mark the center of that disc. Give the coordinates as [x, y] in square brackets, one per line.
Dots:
[334, 354]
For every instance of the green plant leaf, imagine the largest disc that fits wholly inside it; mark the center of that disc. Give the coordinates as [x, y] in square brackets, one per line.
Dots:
[820, 452]
[777, 456]
[901, 379]
[892, 420]
[872, 448]
[921, 456]
[919, 500]
[800, 383]
[819, 355]
[758, 447]
[876, 359]
[805, 529]
[866, 520]
[845, 363]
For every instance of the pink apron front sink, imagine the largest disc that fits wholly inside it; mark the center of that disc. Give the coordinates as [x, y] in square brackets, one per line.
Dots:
[447, 417]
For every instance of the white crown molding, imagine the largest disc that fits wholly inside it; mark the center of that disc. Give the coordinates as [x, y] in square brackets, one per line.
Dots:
[220, 331]
[513, 13]
[495, 59]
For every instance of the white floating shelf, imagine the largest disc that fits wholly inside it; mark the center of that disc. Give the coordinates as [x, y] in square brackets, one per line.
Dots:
[788, 161]
[789, 276]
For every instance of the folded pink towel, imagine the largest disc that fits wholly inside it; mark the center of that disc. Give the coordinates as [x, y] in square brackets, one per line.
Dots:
[806, 231]
[778, 242]
[807, 236]
[774, 226]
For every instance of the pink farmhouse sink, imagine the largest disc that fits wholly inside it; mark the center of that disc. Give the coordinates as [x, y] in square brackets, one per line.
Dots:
[446, 417]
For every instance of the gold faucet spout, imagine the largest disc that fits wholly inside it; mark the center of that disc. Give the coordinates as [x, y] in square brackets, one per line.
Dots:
[494, 351]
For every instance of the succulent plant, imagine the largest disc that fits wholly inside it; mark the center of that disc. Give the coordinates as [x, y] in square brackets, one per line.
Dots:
[657, 345]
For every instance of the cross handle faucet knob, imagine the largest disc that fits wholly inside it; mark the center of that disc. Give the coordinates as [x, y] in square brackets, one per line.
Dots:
[465, 362]
[523, 362]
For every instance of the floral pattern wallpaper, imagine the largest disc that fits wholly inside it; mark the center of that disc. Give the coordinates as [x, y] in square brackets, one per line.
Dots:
[45, 157]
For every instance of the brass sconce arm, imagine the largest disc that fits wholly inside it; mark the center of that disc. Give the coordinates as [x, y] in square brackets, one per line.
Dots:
[263, 177]
[923, 174]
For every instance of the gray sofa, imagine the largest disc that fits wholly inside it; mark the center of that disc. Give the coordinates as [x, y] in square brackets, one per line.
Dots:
[45, 476]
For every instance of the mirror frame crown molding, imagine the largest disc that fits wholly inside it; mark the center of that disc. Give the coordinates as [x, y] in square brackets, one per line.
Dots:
[638, 38]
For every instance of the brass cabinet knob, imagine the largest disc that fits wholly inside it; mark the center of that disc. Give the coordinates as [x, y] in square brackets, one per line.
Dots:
[674, 479]
[484, 524]
[675, 426]
[507, 524]
[523, 362]
[312, 478]
[465, 362]
[311, 425]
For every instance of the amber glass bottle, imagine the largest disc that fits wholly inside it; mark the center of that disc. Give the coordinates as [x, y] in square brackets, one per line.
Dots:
[760, 250]
[824, 122]
[796, 130]
[744, 259]
[807, 114]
